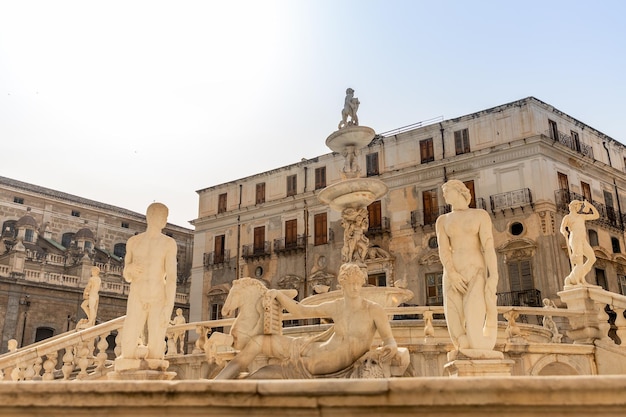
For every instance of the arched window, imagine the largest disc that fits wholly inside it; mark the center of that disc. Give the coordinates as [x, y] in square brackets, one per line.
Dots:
[67, 239]
[8, 229]
[119, 249]
[43, 333]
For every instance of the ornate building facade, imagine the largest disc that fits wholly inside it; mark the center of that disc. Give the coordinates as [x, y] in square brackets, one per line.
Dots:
[50, 242]
[523, 162]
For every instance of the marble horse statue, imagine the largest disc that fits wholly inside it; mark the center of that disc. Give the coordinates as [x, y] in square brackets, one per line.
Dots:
[258, 315]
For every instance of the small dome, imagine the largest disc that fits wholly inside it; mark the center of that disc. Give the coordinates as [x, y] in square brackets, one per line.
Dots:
[84, 233]
[27, 220]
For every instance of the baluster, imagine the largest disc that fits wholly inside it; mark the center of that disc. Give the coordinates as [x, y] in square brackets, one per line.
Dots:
[513, 332]
[603, 323]
[101, 358]
[68, 362]
[620, 323]
[17, 374]
[429, 330]
[83, 359]
[37, 368]
[118, 346]
[201, 331]
[49, 365]
[29, 372]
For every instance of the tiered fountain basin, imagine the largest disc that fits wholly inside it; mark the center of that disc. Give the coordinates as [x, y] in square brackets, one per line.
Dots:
[357, 136]
[352, 193]
[384, 296]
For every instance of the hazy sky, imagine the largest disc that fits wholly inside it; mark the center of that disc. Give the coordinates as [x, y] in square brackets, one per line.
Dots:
[130, 102]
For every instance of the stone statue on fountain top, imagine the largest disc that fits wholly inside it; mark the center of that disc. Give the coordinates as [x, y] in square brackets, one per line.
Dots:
[350, 107]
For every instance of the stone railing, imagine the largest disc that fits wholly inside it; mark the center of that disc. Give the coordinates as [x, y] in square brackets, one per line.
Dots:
[87, 354]
[77, 351]
[74, 281]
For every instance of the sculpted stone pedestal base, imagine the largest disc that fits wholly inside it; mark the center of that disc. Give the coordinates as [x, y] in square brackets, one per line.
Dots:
[479, 367]
[141, 369]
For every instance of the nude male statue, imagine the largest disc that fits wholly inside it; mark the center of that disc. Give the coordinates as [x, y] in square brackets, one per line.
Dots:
[470, 271]
[574, 230]
[91, 298]
[150, 267]
[356, 321]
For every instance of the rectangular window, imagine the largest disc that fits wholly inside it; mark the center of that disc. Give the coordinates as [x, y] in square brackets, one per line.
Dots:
[575, 141]
[601, 279]
[427, 151]
[622, 283]
[125, 225]
[434, 289]
[259, 239]
[375, 215]
[29, 236]
[461, 141]
[431, 210]
[553, 130]
[615, 245]
[216, 311]
[260, 193]
[320, 178]
[291, 233]
[377, 280]
[470, 186]
[371, 162]
[222, 202]
[292, 185]
[520, 275]
[320, 229]
[610, 209]
[18, 200]
[586, 191]
[218, 257]
[563, 194]
[75, 213]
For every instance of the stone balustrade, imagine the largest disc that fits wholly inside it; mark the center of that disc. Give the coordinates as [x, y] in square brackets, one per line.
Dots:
[66, 356]
[86, 354]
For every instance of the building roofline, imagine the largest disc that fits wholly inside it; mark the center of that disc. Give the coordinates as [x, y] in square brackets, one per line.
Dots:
[70, 198]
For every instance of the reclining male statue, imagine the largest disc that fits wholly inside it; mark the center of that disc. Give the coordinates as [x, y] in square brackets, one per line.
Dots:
[335, 353]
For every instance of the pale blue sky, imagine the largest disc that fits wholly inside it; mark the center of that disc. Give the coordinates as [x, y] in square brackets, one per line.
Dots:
[128, 102]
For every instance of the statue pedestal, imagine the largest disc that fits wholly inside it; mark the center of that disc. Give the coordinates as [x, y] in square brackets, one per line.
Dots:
[479, 367]
[141, 369]
[593, 323]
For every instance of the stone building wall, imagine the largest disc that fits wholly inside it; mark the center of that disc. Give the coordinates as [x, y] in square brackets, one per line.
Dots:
[518, 159]
[48, 283]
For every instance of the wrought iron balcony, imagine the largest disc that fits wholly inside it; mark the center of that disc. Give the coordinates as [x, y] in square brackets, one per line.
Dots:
[287, 245]
[255, 251]
[525, 298]
[609, 217]
[216, 258]
[575, 145]
[383, 227]
[428, 217]
[511, 200]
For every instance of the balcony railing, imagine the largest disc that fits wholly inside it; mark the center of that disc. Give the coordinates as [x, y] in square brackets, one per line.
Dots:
[575, 145]
[216, 258]
[285, 245]
[254, 251]
[428, 217]
[525, 298]
[383, 227]
[480, 203]
[609, 217]
[511, 200]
